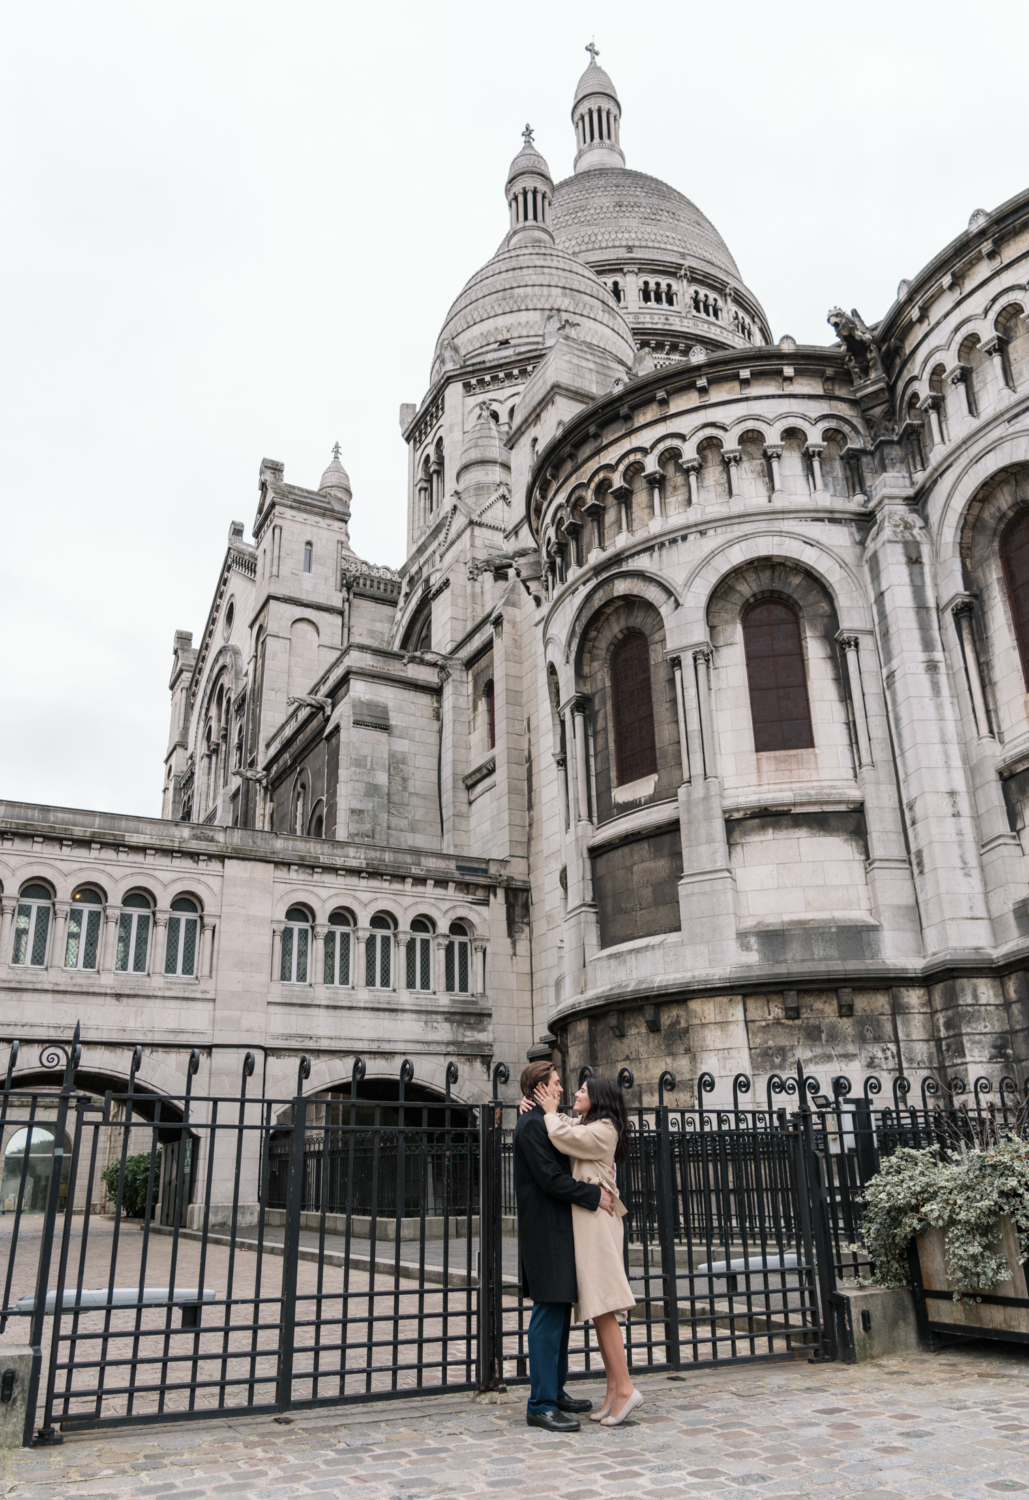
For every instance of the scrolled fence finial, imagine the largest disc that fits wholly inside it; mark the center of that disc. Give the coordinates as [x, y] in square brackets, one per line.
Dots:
[303, 1072]
[626, 1078]
[841, 1086]
[249, 1063]
[450, 1077]
[666, 1083]
[741, 1084]
[501, 1075]
[585, 1072]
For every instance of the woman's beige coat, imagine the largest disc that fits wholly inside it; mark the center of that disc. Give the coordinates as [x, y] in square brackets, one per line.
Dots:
[599, 1272]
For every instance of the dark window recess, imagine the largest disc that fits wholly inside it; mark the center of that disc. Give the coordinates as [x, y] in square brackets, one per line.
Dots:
[775, 672]
[633, 709]
[1014, 554]
[491, 721]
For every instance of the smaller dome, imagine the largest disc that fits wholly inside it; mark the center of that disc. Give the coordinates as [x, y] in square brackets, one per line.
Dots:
[528, 160]
[595, 81]
[336, 480]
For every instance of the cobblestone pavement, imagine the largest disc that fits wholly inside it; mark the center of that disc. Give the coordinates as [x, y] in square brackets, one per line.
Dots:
[933, 1427]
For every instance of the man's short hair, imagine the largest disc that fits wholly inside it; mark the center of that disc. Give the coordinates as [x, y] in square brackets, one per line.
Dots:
[533, 1075]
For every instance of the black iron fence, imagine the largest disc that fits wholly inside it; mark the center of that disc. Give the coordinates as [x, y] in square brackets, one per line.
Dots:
[220, 1252]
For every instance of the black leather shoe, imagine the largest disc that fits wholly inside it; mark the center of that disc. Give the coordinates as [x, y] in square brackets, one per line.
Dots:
[552, 1421]
[574, 1403]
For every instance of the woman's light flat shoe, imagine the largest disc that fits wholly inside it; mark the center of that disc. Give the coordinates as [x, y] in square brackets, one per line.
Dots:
[598, 1416]
[634, 1401]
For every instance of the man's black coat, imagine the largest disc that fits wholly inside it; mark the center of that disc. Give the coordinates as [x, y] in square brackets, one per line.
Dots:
[545, 1191]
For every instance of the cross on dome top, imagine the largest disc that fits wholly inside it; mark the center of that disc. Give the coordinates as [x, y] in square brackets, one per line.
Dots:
[335, 450]
[527, 135]
[593, 50]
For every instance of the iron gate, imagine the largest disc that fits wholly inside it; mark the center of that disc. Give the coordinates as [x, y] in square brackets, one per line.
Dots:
[214, 1253]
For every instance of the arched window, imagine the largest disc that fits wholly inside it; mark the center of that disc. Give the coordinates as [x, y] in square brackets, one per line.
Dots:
[28, 1162]
[378, 954]
[491, 721]
[32, 923]
[419, 955]
[1014, 555]
[180, 952]
[779, 707]
[458, 960]
[85, 920]
[632, 709]
[338, 947]
[308, 556]
[296, 946]
[134, 926]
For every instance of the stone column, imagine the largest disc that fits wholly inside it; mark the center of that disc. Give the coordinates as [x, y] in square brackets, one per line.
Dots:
[631, 289]
[7, 908]
[623, 495]
[680, 705]
[931, 405]
[573, 531]
[962, 612]
[440, 965]
[773, 453]
[814, 451]
[850, 646]
[276, 951]
[961, 375]
[701, 665]
[403, 939]
[595, 512]
[655, 478]
[105, 958]
[578, 720]
[360, 947]
[692, 469]
[205, 967]
[317, 975]
[731, 459]
[923, 716]
[994, 347]
[707, 891]
[159, 943]
[59, 938]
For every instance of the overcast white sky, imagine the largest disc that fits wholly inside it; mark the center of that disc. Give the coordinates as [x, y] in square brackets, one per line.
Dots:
[233, 229]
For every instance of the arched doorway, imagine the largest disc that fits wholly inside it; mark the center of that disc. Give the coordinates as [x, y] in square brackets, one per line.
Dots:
[28, 1165]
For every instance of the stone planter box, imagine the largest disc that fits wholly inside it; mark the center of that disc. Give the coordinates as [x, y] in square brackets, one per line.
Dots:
[987, 1318]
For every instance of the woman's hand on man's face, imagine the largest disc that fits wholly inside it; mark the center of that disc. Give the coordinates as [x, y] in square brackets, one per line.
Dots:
[524, 1105]
[545, 1099]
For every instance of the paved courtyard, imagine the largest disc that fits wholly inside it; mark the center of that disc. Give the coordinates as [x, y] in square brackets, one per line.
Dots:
[932, 1427]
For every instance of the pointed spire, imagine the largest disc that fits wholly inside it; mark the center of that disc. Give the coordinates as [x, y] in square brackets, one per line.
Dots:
[596, 115]
[530, 192]
[336, 481]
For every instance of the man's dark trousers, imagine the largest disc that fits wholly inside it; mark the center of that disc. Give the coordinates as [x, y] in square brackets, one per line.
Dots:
[548, 1354]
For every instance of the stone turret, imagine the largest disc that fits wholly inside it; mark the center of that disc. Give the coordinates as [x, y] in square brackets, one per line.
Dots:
[596, 115]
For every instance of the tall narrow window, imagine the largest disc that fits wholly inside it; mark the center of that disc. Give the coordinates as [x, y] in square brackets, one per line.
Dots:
[308, 555]
[779, 707]
[1014, 554]
[419, 955]
[632, 709]
[338, 943]
[134, 934]
[180, 952]
[491, 718]
[296, 946]
[32, 922]
[85, 920]
[378, 954]
[458, 960]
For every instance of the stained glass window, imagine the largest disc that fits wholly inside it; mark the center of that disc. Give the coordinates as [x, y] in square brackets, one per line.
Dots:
[779, 708]
[296, 946]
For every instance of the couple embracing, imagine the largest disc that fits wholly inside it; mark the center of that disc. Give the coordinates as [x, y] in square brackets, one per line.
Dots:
[570, 1241]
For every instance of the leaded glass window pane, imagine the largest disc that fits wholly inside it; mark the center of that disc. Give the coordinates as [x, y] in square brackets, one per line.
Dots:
[286, 967]
[449, 965]
[344, 957]
[22, 922]
[425, 954]
[330, 958]
[39, 936]
[412, 962]
[121, 955]
[189, 945]
[462, 968]
[369, 961]
[303, 938]
[142, 944]
[385, 953]
[71, 951]
[92, 940]
[171, 951]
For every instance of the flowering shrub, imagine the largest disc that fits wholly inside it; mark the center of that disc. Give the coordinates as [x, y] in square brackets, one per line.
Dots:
[966, 1197]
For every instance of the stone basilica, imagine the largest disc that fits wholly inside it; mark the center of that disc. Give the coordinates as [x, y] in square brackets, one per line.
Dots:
[692, 733]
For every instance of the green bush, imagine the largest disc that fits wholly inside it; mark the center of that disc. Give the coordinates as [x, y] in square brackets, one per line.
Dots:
[966, 1197]
[137, 1175]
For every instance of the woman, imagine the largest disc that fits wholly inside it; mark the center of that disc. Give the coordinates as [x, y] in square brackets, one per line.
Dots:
[595, 1141]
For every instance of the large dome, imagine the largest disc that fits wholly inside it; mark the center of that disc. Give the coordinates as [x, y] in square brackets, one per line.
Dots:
[508, 303]
[612, 212]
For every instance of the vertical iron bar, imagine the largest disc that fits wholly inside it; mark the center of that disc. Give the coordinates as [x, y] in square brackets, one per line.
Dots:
[288, 1317]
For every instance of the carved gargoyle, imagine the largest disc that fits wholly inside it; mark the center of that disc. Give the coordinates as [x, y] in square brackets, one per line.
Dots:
[858, 340]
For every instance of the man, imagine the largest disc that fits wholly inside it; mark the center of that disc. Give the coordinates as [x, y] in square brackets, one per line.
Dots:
[545, 1190]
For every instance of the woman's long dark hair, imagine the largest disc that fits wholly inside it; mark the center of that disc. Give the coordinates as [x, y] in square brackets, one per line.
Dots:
[607, 1102]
